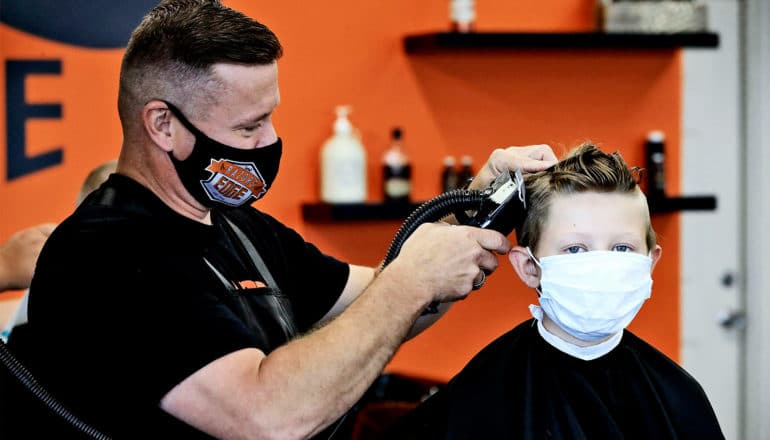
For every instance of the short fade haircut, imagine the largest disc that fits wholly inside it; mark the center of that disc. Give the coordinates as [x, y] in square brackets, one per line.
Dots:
[171, 53]
[586, 168]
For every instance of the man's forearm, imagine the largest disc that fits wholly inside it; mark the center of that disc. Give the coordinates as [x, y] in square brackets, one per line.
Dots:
[314, 379]
[306, 384]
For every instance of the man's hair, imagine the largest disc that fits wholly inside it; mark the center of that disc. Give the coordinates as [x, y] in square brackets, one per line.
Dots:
[171, 53]
[586, 168]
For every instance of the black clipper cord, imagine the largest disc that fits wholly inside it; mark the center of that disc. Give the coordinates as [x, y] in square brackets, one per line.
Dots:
[28, 380]
[500, 207]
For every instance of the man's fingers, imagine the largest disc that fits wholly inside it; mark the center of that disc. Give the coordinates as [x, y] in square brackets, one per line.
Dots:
[539, 157]
[535, 165]
[488, 263]
[543, 152]
[531, 158]
[479, 281]
[491, 240]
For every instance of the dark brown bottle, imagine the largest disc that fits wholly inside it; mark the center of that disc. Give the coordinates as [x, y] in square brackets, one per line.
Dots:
[396, 171]
[466, 171]
[449, 177]
[656, 178]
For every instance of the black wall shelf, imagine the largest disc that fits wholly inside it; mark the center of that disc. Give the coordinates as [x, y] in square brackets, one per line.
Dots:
[685, 203]
[436, 42]
[331, 213]
[451, 41]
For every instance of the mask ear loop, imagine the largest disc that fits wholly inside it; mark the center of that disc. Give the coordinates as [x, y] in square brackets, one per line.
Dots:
[181, 117]
[532, 256]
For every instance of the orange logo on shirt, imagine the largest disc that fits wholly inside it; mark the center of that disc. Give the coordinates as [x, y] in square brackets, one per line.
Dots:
[251, 284]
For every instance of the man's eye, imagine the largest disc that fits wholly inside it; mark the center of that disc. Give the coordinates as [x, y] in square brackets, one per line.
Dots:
[252, 128]
[574, 249]
[621, 248]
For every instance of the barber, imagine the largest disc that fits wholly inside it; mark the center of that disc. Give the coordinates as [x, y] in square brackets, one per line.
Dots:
[193, 314]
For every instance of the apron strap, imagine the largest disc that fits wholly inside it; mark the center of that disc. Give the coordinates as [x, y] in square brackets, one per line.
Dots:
[259, 264]
[228, 284]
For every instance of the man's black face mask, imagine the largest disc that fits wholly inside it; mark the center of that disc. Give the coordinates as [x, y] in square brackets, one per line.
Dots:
[215, 173]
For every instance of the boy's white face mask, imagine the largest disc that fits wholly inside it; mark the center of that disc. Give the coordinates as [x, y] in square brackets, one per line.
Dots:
[594, 295]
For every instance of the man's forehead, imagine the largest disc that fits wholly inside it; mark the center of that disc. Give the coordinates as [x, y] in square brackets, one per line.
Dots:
[246, 93]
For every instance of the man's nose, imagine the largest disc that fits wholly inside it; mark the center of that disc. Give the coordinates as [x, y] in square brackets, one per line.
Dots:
[270, 136]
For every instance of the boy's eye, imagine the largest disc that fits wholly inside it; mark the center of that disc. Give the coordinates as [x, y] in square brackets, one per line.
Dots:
[574, 249]
[621, 248]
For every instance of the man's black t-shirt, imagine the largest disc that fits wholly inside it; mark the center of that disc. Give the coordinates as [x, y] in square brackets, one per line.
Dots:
[125, 305]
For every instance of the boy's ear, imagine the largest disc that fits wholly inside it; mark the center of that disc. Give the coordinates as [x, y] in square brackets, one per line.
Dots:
[655, 255]
[524, 266]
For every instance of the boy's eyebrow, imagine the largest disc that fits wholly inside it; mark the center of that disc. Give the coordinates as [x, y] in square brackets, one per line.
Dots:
[630, 236]
[569, 235]
[586, 238]
[572, 237]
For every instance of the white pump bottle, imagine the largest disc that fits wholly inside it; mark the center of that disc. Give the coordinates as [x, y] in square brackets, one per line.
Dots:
[343, 163]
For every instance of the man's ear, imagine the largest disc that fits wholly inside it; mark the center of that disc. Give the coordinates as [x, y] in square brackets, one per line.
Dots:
[655, 255]
[157, 123]
[524, 266]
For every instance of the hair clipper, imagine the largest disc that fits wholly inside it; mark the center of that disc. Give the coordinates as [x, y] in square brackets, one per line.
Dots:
[502, 207]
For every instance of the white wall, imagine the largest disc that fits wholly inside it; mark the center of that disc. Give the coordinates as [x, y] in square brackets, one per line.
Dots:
[726, 151]
[711, 240]
[757, 224]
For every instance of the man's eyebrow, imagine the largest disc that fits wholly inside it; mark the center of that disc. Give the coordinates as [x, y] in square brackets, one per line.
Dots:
[252, 120]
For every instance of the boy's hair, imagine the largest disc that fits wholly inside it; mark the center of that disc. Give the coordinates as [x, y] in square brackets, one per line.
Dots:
[586, 168]
[171, 53]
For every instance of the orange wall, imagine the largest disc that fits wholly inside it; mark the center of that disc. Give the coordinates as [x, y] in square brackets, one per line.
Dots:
[350, 52]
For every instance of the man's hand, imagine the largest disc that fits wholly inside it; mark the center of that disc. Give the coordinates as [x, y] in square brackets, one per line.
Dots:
[529, 159]
[443, 260]
[19, 254]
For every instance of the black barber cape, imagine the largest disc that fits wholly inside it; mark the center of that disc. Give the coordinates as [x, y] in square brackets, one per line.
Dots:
[520, 387]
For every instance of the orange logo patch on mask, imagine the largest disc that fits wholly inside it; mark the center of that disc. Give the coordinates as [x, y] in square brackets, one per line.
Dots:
[232, 182]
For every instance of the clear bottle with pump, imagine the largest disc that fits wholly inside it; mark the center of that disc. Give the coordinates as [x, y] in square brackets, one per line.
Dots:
[396, 171]
[462, 14]
[343, 163]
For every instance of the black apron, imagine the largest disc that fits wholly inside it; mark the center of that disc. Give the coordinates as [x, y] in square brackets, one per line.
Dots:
[268, 314]
[264, 310]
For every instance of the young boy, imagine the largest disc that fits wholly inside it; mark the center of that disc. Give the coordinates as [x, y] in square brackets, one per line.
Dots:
[572, 372]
